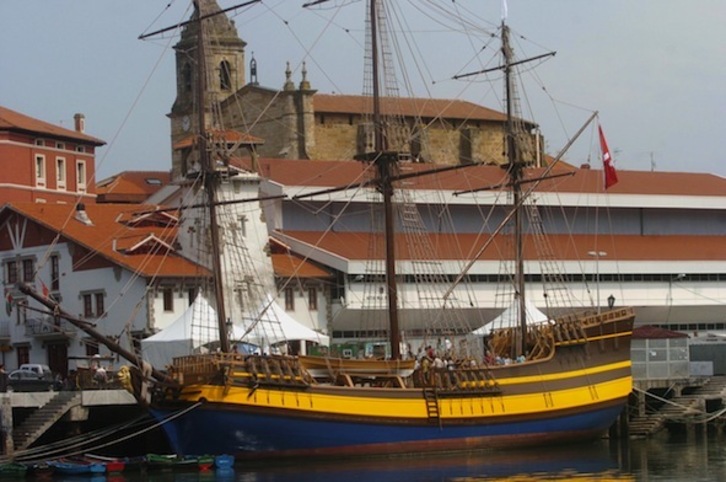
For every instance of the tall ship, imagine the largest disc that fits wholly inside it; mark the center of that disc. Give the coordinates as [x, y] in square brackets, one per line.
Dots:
[524, 379]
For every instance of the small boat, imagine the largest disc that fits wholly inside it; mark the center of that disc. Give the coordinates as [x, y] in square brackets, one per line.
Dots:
[77, 467]
[223, 462]
[176, 462]
[205, 462]
[160, 462]
[13, 469]
[113, 464]
[39, 469]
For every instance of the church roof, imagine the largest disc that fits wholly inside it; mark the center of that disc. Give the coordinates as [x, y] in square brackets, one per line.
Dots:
[15, 121]
[406, 106]
[220, 27]
[226, 136]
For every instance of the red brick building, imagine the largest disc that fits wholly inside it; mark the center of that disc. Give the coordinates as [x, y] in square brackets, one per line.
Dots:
[45, 163]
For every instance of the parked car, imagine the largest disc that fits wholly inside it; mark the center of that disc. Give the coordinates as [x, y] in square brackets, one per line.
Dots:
[31, 377]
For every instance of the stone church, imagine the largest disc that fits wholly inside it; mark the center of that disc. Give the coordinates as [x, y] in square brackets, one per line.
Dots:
[296, 122]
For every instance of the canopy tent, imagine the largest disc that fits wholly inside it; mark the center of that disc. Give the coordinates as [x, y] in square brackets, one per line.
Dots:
[198, 325]
[510, 317]
[271, 325]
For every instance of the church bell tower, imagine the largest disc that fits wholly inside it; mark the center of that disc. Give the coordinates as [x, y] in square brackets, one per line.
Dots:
[225, 74]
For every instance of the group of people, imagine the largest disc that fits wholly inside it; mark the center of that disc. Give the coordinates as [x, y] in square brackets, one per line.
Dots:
[430, 358]
[491, 359]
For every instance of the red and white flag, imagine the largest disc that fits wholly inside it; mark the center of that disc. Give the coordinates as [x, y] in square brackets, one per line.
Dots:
[44, 289]
[611, 177]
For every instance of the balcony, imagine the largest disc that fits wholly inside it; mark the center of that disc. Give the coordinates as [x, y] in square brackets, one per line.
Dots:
[49, 328]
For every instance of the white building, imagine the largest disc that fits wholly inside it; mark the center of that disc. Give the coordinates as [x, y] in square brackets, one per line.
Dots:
[103, 264]
[654, 241]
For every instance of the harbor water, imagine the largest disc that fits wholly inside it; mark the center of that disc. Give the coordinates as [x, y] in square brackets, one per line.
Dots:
[694, 457]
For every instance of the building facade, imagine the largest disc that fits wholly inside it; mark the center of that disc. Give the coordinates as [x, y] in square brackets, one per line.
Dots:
[654, 241]
[45, 163]
[297, 122]
[104, 264]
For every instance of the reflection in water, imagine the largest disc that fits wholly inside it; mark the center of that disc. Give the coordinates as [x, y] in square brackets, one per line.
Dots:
[698, 458]
[479, 465]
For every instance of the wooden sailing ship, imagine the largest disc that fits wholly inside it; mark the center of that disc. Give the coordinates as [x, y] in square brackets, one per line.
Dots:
[572, 380]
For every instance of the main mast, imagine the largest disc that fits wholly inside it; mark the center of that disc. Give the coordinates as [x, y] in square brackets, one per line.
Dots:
[386, 163]
[209, 180]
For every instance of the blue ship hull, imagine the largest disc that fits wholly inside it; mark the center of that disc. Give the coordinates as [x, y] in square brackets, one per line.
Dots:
[224, 430]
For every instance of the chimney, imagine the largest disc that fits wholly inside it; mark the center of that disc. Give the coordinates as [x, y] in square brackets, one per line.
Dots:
[82, 215]
[80, 122]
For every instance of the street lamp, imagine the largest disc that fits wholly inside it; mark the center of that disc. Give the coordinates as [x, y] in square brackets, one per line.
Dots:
[611, 301]
[597, 255]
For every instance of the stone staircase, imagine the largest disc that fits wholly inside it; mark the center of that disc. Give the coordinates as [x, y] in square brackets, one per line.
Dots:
[645, 426]
[44, 418]
[687, 408]
[714, 389]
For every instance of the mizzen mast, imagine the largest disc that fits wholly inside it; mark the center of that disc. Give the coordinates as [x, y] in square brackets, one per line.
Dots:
[515, 166]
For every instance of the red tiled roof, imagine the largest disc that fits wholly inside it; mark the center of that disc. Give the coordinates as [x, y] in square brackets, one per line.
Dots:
[131, 186]
[358, 246]
[653, 332]
[406, 106]
[15, 121]
[306, 173]
[228, 136]
[104, 235]
[292, 265]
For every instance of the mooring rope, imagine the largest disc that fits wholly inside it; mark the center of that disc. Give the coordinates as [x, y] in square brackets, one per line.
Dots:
[80, 444]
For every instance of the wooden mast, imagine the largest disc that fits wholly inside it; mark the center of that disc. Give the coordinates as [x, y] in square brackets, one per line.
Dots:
[385, 165]
[209, 180]
[514, 169]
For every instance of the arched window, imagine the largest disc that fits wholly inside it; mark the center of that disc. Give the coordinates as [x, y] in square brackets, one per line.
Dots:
[225, 76]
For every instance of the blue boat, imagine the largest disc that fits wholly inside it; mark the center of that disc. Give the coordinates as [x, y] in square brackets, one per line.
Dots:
[77, 468]
[223, 462]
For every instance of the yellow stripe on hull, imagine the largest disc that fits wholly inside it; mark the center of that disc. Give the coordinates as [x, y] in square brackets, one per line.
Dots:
[503, 382]
[410, 404]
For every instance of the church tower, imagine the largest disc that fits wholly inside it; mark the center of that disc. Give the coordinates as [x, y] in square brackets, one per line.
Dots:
[225, 73]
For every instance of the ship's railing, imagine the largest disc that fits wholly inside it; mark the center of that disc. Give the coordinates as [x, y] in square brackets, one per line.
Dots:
[589, 318]
[240, 370]
[457, 381]
[268, 370]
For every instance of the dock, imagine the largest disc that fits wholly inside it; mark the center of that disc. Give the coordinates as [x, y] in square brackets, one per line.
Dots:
[691, 404]
[48, 408]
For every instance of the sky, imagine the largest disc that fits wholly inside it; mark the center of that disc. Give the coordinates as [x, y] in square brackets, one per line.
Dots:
[655, 70]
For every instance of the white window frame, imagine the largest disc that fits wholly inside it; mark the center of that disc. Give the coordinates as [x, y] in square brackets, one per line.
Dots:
[81, 176]
[60, 173]
[80, 148]
[40, 170]
[40, 142]
[60, 145]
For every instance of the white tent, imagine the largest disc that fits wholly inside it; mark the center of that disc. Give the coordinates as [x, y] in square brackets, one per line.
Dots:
[273, 325]
[198, 325]
[510, 317]
[181, 337]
